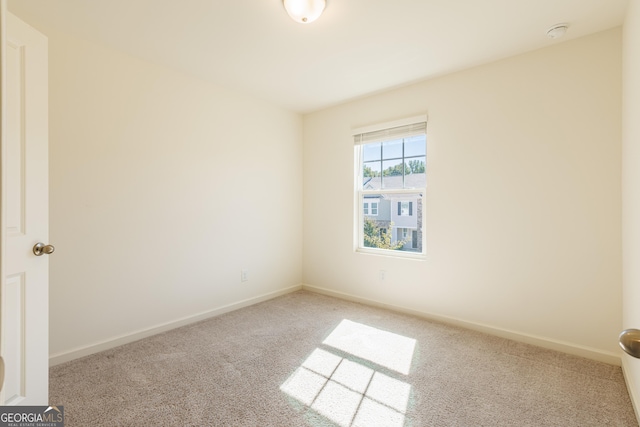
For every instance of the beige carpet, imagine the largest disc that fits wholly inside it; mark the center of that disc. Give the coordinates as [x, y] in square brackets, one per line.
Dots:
[310, 360]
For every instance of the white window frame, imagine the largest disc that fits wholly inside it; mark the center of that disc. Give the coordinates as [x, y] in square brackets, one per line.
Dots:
[386, 133]
[376, 204]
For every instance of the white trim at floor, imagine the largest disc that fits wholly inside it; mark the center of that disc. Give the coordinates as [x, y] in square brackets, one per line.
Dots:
[56, 359]
[565, 347]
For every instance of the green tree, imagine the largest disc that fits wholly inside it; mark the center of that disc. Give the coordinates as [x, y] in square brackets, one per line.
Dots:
[416, 166]
[396, 170]
[368, 172]
[376, 237]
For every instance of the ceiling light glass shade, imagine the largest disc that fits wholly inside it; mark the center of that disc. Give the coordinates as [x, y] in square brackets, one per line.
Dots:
[304, 11]
[557, 31]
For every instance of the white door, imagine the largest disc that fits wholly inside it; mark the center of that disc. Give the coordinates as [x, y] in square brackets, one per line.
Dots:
[24, 315]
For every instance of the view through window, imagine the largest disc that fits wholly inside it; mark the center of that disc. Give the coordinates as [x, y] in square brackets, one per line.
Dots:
[391, 176]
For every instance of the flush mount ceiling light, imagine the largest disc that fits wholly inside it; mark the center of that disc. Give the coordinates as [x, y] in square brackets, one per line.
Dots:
[304, 11]
[557, 31]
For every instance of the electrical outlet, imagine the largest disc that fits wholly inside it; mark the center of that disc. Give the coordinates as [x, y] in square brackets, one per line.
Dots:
[244, 275]
[382, 275]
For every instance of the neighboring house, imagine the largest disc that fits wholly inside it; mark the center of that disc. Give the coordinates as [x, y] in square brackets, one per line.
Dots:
[404, 211]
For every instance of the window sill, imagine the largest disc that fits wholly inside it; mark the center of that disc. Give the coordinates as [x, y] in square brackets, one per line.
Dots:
[393, 254]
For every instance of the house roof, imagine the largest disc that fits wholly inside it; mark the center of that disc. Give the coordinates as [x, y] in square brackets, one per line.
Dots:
[415, 180]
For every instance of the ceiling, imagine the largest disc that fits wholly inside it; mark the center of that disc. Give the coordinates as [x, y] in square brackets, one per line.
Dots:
[356, 48]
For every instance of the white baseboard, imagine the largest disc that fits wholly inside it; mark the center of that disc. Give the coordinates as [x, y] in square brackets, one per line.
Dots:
[76, 353]
[565, 347]
[631, 386]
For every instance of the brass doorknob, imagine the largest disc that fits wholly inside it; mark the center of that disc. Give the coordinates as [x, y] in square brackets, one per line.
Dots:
[40, 249]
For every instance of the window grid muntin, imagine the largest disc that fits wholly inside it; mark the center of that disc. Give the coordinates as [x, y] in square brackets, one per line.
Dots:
[403, 159]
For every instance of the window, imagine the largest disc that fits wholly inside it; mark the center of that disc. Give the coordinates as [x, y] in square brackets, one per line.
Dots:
[370, 207]
[405, 208]
[391, 169]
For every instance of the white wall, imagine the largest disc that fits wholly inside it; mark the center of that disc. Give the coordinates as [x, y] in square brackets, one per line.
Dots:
[162, 188]
[523, 202]
[631, 189]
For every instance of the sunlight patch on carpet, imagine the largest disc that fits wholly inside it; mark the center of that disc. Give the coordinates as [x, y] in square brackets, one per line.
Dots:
[337, 403]
[353, 375]
[304, 385]
[387, 349]
[372, 413]
[322, 362]
[389, 391]
[349, 393]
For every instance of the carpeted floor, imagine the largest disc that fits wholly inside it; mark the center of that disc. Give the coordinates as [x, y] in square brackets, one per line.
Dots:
[310, 360]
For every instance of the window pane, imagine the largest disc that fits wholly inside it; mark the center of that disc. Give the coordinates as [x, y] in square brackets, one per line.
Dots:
[392, 167]
[371, 175]
[415, 146]
[416, 165]
[376, 229]
[392, 174]
[372, 152]
[371, 169]
[390, 231]
[392, 149]
[415, 175]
